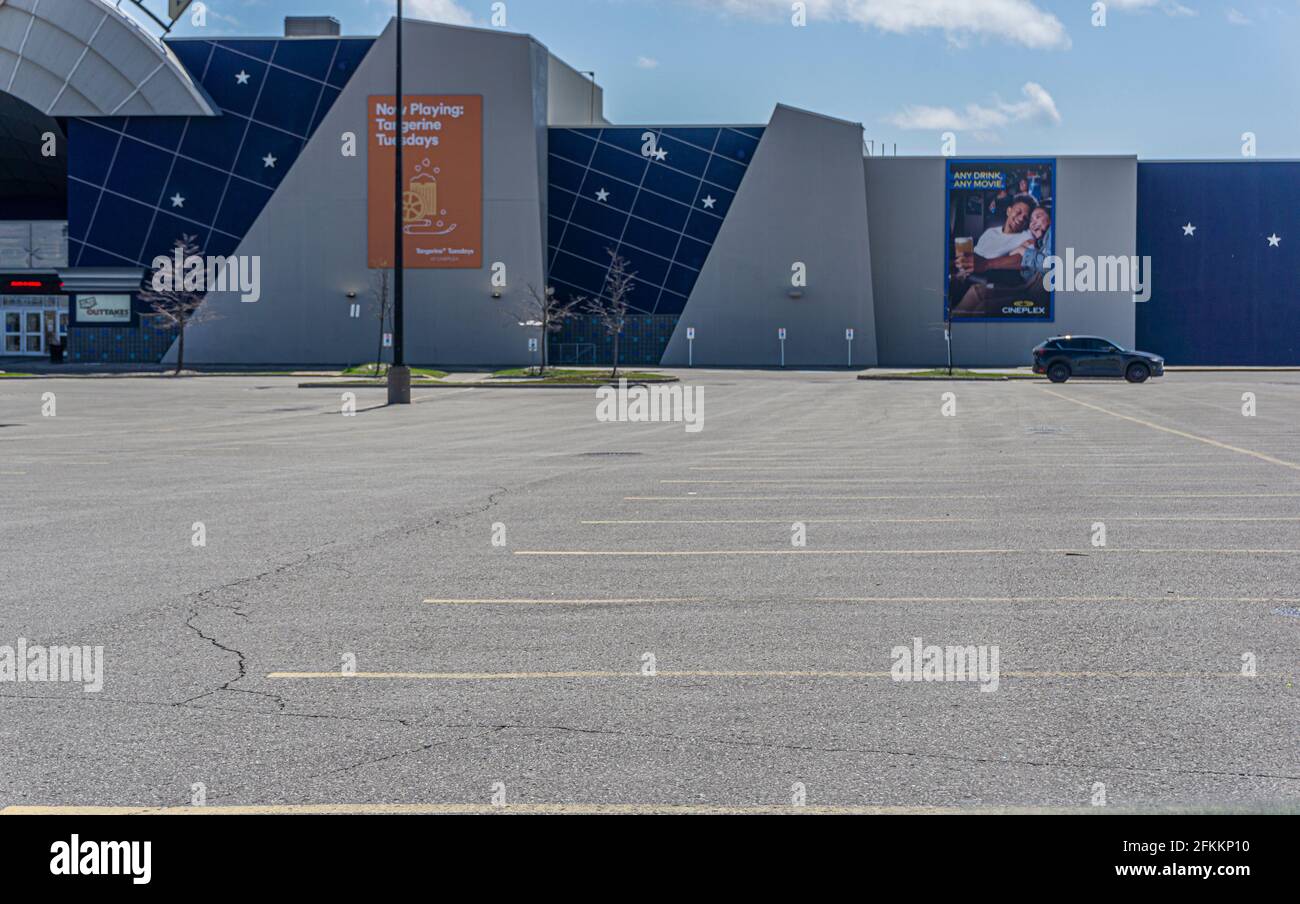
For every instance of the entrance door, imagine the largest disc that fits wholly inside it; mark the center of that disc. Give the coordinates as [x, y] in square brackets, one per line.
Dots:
[33, 333]
[24, 332]
[13, 332]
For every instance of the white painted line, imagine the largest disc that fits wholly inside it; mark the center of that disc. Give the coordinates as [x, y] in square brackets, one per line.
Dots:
[872, 600]
[715, 673]
[693, 553]
[468, 809]
[1185, 435]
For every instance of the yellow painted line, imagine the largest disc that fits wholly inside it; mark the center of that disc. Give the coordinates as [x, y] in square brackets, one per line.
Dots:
[1184, 434]
[792, 520]
[816, 481]
[564, 602]
[467, 809]
[821, 481]
[947, 497]
[770, 552]
[694, 498]
[1216, 518]
[13, 473]
[1260, 600]
[758, 467]
[694, 553]
[795, 518]
[1257, 600]
[712, 673]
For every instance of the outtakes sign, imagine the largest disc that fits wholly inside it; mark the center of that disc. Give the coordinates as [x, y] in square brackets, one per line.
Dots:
[442, 179]
[1001, 218]
[93, 309]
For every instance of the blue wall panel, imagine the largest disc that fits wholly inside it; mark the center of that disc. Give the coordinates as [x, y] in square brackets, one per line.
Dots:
[136, 185]
[1225, 294]
[661, 214]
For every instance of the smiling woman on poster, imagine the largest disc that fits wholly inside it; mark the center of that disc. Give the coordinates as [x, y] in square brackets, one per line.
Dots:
[1011, 207]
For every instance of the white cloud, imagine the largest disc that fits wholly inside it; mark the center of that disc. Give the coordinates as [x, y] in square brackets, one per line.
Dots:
[983, 119]
[645, 62]
[448, 11]
[1237, 17]
[1169, 7]
[1017, 21]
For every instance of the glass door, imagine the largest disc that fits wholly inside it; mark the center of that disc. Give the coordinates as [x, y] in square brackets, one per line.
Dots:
[33, 333]
[13, 333]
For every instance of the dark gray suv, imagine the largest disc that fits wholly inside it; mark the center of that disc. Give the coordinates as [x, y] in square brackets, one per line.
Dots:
[1062, 357]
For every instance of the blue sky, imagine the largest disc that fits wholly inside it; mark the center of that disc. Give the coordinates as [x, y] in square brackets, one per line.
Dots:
[1162, 78]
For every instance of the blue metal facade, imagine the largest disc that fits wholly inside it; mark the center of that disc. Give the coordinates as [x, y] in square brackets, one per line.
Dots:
[656, 201]
[135, 185]
[1225, 252]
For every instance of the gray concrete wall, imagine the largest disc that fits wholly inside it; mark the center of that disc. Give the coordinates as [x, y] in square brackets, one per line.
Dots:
[802, 199]
[1096, 213]
[570, 96]
[312, 235]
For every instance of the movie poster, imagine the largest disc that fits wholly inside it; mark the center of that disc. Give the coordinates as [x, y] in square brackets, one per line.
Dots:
[1001, 218]
[442, 202]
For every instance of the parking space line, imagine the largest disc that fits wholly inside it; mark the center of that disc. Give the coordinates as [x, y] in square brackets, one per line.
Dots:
[809, 521]
[1233, 519]
[543, 601]
[804, 498]
[1184, 434]
[694, 498]
[601, 675]
[871, 600]
[696, 553]
[522, 809]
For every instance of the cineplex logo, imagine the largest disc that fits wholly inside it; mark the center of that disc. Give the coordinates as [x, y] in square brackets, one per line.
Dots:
[200, 275]
[31, 663]
[1108, 273]
[952, 663]
[103, 858]
[675, 404]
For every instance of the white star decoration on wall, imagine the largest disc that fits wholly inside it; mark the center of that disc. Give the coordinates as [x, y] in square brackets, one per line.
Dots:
[661, 155]
[602, 196]
[178, 200]
[708, 202]
[243, 77]
[269, 161]
[1275, 241]
[1189, 229]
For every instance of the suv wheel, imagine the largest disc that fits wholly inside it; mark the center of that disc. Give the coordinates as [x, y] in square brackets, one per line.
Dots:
[1058, 373]
[1137, 373]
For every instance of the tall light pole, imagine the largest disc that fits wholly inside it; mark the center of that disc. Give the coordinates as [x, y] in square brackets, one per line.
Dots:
[399, 375]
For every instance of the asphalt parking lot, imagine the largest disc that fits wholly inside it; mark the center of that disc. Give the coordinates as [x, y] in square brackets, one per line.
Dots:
[516, 669]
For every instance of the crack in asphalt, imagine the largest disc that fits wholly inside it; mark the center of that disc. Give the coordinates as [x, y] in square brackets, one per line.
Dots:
[200, 609]
[808, 748]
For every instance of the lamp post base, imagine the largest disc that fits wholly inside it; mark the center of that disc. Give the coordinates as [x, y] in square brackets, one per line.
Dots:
[399, 386]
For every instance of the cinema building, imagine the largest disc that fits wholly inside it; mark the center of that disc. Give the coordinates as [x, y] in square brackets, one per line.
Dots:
[117, 142]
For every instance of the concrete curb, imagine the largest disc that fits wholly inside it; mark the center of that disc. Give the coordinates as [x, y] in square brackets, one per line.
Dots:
[486, 385]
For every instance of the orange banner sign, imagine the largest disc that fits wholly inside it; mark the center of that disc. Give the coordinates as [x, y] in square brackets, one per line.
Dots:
[442, 196]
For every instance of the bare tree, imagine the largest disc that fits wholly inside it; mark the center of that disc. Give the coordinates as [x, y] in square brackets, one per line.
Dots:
[546, 311]
[382, 307]
[177, 307]
[612, 305]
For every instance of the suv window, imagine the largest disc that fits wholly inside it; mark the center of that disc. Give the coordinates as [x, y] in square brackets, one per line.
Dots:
[1088, 345]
